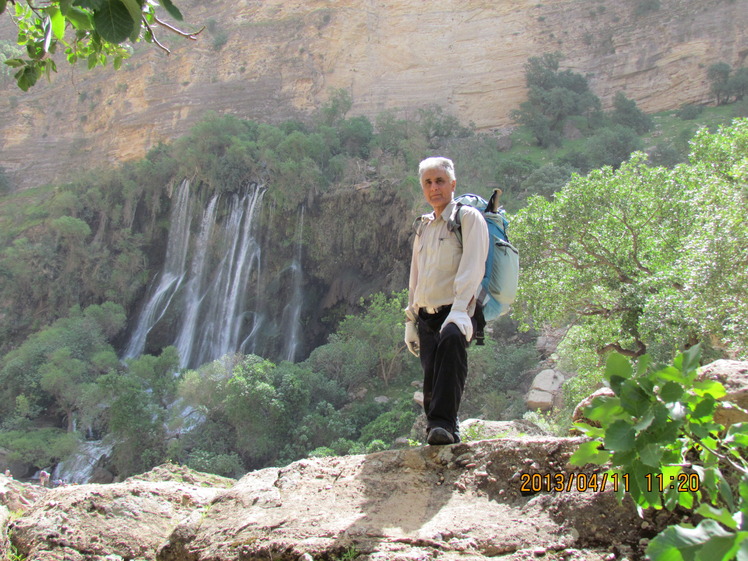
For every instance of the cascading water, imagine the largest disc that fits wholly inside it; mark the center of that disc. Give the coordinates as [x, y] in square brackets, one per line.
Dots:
[194, 288]
[208, 298]
[291, 321]
[160, 295]
[222, 315]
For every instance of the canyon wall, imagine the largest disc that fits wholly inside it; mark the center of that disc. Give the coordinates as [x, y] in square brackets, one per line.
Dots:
[278, 59]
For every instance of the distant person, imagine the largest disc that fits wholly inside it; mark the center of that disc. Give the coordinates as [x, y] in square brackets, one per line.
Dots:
[43, 478]
[445, 276]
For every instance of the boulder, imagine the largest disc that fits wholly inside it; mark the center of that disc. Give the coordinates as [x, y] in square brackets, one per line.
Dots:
[733, 375]
[538, 399]
[546, 384]
[127, 520]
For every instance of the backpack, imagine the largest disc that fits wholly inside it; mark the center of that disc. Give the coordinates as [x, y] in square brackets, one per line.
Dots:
[498, 288]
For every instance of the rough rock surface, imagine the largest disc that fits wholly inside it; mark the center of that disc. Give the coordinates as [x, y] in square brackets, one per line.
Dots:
[464, 502]
[546, 384]
[732, 374]
[127, 520]
[279, 59]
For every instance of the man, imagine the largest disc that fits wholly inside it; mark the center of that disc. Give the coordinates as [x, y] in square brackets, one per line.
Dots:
[444, 278]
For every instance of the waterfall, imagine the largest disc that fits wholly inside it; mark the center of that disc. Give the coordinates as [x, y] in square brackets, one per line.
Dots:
[160, 295]
[207, 296]
[291, 319]
[222, 306]
[79, 467]
[194, 288]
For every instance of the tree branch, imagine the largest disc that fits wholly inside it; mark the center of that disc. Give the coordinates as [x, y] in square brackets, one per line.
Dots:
[641, 349]
[191, 36]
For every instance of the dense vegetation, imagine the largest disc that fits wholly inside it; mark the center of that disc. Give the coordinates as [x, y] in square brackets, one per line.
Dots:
[87, 30]
[75, 259]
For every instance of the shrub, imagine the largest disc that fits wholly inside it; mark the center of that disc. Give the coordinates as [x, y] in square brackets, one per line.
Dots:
[660, 440]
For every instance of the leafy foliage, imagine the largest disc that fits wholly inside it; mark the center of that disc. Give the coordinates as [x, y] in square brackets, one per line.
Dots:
[90, 30]
[553, 96]
[727, 85]
[632, 257]
[658, 434]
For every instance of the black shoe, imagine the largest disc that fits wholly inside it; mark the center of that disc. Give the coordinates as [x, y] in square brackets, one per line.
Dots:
[438, 436]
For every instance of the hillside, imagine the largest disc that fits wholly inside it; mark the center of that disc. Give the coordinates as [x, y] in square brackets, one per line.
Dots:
[276, 60]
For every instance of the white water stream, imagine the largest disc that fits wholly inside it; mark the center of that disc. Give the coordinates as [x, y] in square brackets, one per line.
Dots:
[208, 294]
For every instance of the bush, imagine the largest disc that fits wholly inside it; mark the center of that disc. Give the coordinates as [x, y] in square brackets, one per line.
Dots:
[626, 113]
[689, 112]
[612, 146]
[227, 465]
[659, 436]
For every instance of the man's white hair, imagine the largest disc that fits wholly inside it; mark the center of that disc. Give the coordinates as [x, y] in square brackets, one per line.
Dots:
[437, 162]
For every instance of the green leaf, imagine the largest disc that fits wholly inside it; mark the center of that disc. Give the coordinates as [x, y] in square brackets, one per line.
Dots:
[634, 399]
[719, 514]
[3, 3]
[737, 434]
[690, 359]
[617, 365]
[672, 391]
[642, 364]
[15, 62]
[589, 430]
[651, 454]
[65, 5]
[704, 408]
[113, 21]
[678, 542]
[669, 374]
[136, 13]
[58, 21]
[710, 387]
[743, 551]
[589, 453]
[620, 436]
[27, 77]
[646, 420]
[604, 410]
[718, 549]
[172, 9]
[80, 19]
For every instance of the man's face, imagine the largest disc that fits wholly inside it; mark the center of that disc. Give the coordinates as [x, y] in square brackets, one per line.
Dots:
[438, 188]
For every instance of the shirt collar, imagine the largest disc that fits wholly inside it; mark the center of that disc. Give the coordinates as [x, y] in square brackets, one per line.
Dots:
[445, 215]
[448, 210]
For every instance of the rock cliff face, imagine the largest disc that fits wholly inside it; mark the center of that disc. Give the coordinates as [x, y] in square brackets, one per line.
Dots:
[278, 59]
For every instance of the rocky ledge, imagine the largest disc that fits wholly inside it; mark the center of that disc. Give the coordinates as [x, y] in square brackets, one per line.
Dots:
[467, 501]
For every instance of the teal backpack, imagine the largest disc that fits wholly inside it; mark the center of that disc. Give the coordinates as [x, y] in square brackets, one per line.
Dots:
[498, 288]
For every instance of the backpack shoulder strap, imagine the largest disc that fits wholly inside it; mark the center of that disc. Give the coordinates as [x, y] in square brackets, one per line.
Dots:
[419, 224]
[454, 224]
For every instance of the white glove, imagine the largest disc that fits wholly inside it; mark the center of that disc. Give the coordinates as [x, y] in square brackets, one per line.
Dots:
[411, 337]
[462, 321]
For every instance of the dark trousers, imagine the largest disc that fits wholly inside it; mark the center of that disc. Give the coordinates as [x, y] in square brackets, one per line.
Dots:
[445, 366]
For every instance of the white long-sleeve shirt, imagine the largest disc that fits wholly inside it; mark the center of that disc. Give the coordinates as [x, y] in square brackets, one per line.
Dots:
[443, 271]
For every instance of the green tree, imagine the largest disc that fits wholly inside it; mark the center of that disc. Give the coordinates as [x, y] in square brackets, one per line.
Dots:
[90, 30]
[719, 76]
[51, 363]
[612, 145]
[553, 96]
[379, 329]
[737, 86]
[626, 113]
[616, 256]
